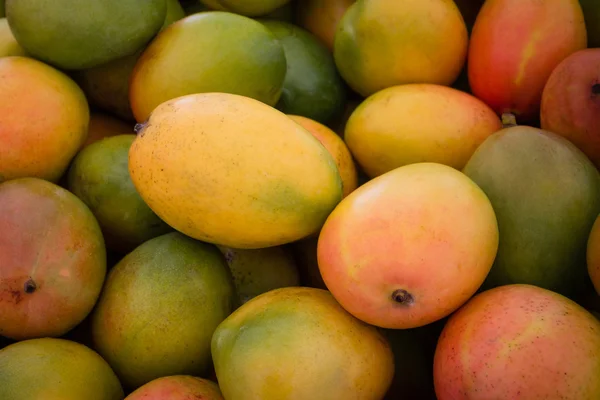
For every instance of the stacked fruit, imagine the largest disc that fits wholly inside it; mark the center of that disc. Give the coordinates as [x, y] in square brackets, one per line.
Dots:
[312, 199]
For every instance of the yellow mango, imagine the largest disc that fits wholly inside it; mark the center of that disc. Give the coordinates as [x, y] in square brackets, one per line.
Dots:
[231, 170]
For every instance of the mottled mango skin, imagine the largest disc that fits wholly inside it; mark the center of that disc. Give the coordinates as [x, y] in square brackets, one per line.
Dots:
[515, 45]
[48, 237]
[336, 147]
[231, 170]
[177, 387]
[44, 119]
[55, 369]
[429, 230]
[382, 43]
[413, 123]
[296, 344]
[321, 17]
[571, 102]
[519, 342]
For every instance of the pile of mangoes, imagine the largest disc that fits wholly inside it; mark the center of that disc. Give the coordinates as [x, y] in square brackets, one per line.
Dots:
[299, 199]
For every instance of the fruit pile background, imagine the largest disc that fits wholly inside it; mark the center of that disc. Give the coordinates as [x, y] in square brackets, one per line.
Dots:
[299, 199]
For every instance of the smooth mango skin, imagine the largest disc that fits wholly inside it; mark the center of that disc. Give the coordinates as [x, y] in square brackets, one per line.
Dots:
[177, 387]
[299, 344]
[250, 8]
[336, 147]
[546, 195]
[55, 369]
[312, 87]
[593, 255]
[79, 34]
[514, 47]
[99, 176]
[159, 308]
[519, 342]
[257, 271]
[571, 102]
[208, 52]
[44, 119]
[414, 123]
[383, 43]
[429, 231]
[253, 177]
[321, 17]
[50, 238]
[8, 44]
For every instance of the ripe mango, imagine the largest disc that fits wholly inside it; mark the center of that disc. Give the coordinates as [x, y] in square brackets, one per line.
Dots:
[253, 177]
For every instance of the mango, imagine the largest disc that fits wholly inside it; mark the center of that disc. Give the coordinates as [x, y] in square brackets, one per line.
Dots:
[571, 102]
[177, 387]
[515, 45]
[80, 34]
[421, 251]
[44, 119]
[593, 255]
[383, 43]
[321, 17]
[55, 369]
[299, 343]
[312, 86]
[52, 259]
[159, 308]
[336, 147]
[253, 177]
[188, 58]
[258, 271]
[546, 196]
[519, 342]
[414, 123]
[99, 176]
[8, 44]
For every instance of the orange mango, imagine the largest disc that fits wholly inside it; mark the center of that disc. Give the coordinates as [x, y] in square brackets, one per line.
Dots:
[515, 45]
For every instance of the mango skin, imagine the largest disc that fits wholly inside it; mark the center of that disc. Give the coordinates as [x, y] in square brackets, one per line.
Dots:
[74, 35]
[99, 176]
[38, 141]
[50, 237]
[8, 44]
[571, 102]
[336, 147]
[321, 17]
[430, 231]
[253, 177]
[258, 271]
[250, 8]
[546, 196]
[299, 343]
[383, 43]
[159, 308]
[519, 342]
[177, 387]
[593, 255]
[515, 46]
[414, 123]
[55, 369]
[208, 52]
